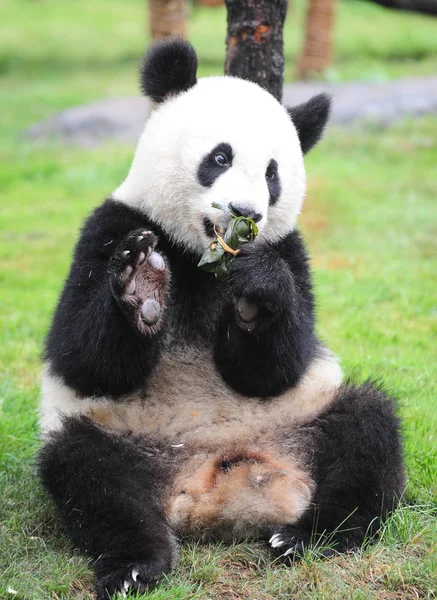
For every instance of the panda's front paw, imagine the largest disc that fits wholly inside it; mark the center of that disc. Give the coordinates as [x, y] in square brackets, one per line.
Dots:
[119, 576]
[139, 278]
[262, 284]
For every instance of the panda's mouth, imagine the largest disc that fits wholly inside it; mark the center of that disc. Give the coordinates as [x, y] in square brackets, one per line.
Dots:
[208, 225]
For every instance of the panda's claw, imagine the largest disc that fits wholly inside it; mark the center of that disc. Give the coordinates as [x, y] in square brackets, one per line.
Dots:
[275, 537]
[129, 580]
[277, 543]
[141, 258]
[126, 253]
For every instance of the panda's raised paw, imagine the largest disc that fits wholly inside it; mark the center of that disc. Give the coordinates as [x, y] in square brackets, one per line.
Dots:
[262, 286]
[139, 278]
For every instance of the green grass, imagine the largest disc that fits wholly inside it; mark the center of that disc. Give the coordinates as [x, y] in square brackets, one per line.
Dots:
[369, 224]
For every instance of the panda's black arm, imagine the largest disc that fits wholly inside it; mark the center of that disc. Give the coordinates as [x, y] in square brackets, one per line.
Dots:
[269, 355]
[92, 344]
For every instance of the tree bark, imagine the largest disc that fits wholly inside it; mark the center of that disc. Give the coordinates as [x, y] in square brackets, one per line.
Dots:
[318, 48]
[167, 18]
[254, 42]
[426, 7]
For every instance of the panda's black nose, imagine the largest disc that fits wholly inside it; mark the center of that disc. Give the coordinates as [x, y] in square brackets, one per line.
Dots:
[243, 211]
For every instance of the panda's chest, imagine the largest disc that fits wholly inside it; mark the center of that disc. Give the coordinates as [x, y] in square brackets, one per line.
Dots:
[186, 400]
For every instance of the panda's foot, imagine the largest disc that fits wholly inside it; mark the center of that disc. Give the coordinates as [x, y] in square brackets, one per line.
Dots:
[120, 577]
[290, 544]
[139, 278]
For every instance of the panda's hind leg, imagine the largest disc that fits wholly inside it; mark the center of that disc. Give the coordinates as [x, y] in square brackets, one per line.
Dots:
[109, 490]
[356, 456]
[139, 277]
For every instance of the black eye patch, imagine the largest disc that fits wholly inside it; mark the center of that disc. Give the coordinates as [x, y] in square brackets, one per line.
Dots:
[214, 164]
[273, 182]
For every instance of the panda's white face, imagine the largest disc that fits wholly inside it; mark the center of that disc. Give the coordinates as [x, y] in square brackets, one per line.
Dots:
[224, 141]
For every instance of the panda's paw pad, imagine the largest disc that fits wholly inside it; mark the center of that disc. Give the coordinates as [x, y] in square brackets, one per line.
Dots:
[139, 280]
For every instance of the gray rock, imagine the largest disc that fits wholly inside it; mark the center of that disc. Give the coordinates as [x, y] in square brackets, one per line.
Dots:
[123, 119]
[120, 119]
[380, 103]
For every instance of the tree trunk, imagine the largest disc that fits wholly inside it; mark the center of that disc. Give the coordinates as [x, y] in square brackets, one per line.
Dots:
[167, 18]
[254, 43]
[318, 48]
[426, 7]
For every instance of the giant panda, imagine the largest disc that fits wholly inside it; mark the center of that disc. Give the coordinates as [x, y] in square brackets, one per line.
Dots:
[175, 403]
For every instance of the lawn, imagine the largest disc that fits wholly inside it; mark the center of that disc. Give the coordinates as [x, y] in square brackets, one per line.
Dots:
[370, 223]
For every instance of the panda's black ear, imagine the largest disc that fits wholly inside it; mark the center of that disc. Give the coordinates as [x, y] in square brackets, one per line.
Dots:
[310, 119]
[169, 67]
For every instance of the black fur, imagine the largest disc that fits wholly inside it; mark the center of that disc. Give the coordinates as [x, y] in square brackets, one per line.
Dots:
[169, 67]
[209, 169]
[356, 458]
[110, 487]
[269, 355]
[310, 119]
[109, 490]
[96, 348]
[93, 344]
[273, 182]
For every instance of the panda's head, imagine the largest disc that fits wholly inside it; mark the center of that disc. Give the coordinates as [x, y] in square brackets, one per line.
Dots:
[217, 140]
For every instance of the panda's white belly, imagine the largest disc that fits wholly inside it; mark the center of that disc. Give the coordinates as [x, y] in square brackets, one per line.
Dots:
[186, 401]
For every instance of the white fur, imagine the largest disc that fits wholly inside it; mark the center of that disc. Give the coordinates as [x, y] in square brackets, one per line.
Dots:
[163, 179]
[58, 400]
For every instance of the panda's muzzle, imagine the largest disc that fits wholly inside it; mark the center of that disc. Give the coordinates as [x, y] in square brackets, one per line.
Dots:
[240, 211]
[245, 211]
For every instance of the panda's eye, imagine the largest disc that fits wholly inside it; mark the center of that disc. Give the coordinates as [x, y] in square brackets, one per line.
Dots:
[273, 181]
[272, 170]
[221, 159]
[214, 164]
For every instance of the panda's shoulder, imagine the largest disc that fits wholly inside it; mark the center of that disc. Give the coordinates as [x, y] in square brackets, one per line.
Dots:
[293, 249]
[292, 241]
